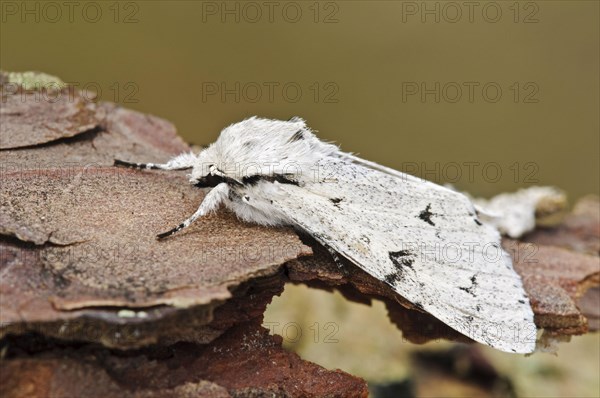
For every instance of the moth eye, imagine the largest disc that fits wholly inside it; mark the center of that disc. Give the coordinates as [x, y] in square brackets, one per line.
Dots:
[208, 181]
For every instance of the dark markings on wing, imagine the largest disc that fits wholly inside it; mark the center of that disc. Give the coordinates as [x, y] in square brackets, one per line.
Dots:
[392, 278]
[477, 222]
[298, 135]
[426, 214]
[336, 201]
[470, 288]
[400, 259]
[280, 178]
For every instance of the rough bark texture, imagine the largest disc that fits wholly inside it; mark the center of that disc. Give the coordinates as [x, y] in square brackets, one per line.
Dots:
[91, 302]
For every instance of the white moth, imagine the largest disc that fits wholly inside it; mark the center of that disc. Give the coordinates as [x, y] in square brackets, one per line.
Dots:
[423, 240]
[516, 213]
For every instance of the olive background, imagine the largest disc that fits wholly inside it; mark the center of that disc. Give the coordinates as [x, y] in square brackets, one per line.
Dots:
[388, 80]
[355, 63]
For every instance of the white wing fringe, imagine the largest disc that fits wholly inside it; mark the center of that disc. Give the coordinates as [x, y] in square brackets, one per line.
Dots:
[517, 213]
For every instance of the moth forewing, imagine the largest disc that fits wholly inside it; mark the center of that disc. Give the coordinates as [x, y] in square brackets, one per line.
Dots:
[425, 241]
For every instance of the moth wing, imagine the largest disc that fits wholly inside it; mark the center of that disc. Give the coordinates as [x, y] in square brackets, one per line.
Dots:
[422, 239]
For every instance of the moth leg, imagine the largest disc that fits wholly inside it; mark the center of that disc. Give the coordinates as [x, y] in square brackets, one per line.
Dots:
[332, 252]
[336, 257]
[210, 203]
[179, 162]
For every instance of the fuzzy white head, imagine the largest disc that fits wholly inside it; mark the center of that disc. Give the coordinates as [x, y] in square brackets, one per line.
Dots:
[248, 163]
[252, 158]
[263, 147]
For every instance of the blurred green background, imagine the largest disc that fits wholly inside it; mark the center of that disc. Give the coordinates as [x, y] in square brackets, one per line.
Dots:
[527, 76]
[489, 96]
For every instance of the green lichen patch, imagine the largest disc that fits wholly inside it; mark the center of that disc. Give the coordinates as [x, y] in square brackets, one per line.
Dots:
[33, 81]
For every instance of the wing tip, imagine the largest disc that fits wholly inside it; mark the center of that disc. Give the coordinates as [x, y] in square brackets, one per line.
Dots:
[519, 338]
